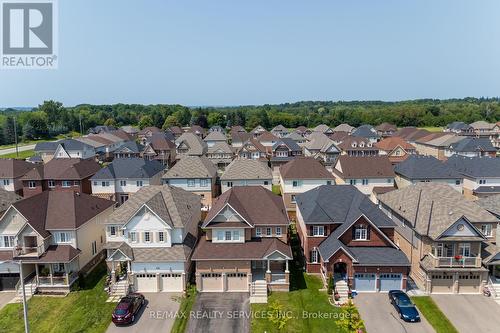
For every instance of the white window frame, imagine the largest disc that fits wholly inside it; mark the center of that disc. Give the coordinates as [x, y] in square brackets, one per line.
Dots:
[10, 241]
[147, 237]
[6, 182]
[278, 231]
[191, 183]
[139, 183]
[51, 183]
[236, 235]
[132, 236]
[66, 183]
[316, 231]
[361, 232]
[63, 237]
[486, 229]
[123, 183]
[32, 184]
[464, 249]
[269, 232]
[258, 232]
[204, 182]
[113, 231]
[94, 247]
[314, 256]
[161, 236]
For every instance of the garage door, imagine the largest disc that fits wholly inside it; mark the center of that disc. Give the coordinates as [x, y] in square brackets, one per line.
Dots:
[364, 282]
[171, 282]
[8, 281]
[211, 282]
[469, 284]
[146, 282]
[390, 281]
[442, 283]
[237, 282]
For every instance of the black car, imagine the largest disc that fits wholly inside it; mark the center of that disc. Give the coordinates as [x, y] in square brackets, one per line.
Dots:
[406, 309]
[127, 309]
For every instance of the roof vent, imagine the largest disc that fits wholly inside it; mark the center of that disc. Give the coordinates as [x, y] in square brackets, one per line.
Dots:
[450, 212]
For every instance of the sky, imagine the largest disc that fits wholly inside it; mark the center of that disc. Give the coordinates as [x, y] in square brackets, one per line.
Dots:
[202, 53]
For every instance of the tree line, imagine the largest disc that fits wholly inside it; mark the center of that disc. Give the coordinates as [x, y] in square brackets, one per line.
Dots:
[52, 118]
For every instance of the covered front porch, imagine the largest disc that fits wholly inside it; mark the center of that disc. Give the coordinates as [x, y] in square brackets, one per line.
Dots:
[274, 272]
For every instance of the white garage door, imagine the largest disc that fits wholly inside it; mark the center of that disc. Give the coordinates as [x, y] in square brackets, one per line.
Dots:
[237, 282]
[171, 281]
[442, 284]
[146, 282]
[211, 282]
[390, 281]
[364, 282]
[469, 284]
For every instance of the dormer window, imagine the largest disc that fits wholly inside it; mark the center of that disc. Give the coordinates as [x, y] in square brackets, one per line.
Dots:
[362, 144]
[354, 145]
[361, 232]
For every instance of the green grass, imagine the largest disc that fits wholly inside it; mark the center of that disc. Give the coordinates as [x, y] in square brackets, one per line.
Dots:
[22, 154]
[432, 128]
[187, 302]
[81, 311]
[429, 309]
[277, 189]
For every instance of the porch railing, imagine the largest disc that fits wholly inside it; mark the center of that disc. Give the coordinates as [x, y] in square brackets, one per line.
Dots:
[458, 261]
[28, 251]
[51, 280]
[278, 277]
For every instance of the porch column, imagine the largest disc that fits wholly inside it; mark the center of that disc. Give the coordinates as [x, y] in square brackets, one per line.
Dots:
[36, 272]
[128, 266]
[268, 272]
[286, 266]
[183, 275]
[66, 273]
[51, 273]
[287, 272]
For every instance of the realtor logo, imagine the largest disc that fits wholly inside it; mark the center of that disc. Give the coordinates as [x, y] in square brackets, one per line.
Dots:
[29, 38]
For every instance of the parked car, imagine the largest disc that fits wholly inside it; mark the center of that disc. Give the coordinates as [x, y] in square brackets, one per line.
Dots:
[402, 303]
[127, 309]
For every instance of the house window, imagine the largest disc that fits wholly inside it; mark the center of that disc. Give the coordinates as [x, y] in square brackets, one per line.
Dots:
[139, 183]
[278, 231]
[314, 256]
[227, 235]
[220, 235]
[318, 230]
[94, 247]
[293, 199]
[353, 181]
[8, 241]
[464, 249]
[64, 237]
[389, 181]
[269, 231]
[112, 231]
[66, 183]
[31, 184]
[95, 183]
[132, 236]
[444, 250]
[229, 184]
[76, 183]
[204, 182]
[361, 232]
[123, 183]
[258, 232]
[457, 182]
[104, 184]
[486, 230]
[236, 235]
[52, 184]
[6, 182]
[328, 182]
[296, 183]
[364, 181]
[482, 181]
[266, 182]
[147, 236]
[161, 236]
[58, 267]
[190, 182]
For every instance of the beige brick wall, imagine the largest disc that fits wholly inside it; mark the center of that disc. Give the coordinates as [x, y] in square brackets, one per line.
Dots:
[223, 266]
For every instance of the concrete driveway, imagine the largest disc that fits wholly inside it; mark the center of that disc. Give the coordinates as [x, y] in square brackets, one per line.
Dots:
[381, 317]
[6, 297]
[156, 316]
[215, 312]
[470, 313]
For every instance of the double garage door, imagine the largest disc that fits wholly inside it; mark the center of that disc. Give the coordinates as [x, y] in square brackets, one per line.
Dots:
[213, 282]
[467, 283]
[8, 281]
[368, 281]
[167, 282]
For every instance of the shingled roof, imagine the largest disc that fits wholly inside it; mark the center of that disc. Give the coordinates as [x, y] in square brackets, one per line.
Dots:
[11, 168]
[244, 168]
[304, 168]
[364, 167]
[192, 167]
[63, 169]
[484, 166]
[129, 168]
[425, 167]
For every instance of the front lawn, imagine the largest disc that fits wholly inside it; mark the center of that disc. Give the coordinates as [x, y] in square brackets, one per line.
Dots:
[81, 311]
[22, 154]
[429, 309]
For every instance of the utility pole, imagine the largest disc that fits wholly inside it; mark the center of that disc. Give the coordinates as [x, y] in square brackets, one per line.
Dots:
[25, 305]
[15, 137]
[81, 128]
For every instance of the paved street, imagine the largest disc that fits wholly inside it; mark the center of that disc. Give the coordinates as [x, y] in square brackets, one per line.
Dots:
[6, 297]
[381, 317]
[152, 318]
[13, 150]
[219, 305]
[470, 313]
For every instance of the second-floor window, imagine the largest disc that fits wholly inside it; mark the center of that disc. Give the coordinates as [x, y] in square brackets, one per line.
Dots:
[352, 181]
[203, 182]
[296, 183]
[444, 250]
[269, 231]
[147, 236]
[278, 231]
[52, 183]
[482, 181]
[112, 231]
[486, 230]
[104, 184]
[191, 182]
[314, 256]
[6, 182]
[94, 247]
[31, 184]
[7, 241]
[66, 183]
[361, 232]
[123, 183]
[132, 236]
[364, 181]
[464, 249]
[229, 184]
[318, 230]
[161, 236]
[258, 232]
[63, 237]
[139, 183]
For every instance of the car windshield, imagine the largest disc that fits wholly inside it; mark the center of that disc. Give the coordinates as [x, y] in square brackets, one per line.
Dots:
[120, 312]
[404, 301]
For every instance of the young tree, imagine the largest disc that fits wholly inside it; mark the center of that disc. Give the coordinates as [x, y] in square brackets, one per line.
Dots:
[349, 320]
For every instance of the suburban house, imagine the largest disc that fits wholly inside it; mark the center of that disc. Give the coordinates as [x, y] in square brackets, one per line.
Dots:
[176, 131]
[411, 134]
[197, 130]
[60, 174]
[144, 134]
[300, 175]
[11, 173]
[322, 128]
[482, 128]
[216, 128]
[150, 240]
[297, 137]
[252, 149]
[128, 149]
[244, 244]
[257, 131]
[345, 235]
[221, 154]
[215, 137]
[357, 146]
[367, 132]
[385, 130]
[283, 151]
[338, 137]
[246, 172]
[130, 130]
[436, 146]
[56, 236]
[280, 131]
[322, 148]
[396, 148]
[481, 175]
[124, 177]
[268, 140]
[442, 234]
[344, 128]
[67, 148]
[194, 174]
[471, 147]
[459, 127]
[416, 169]
[365, 173]
[189, 144]
[159, 148]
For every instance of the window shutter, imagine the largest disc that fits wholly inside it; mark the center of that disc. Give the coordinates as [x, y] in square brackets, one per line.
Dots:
[311, 232]
[310, 256]
[354, 232]
[368, 232]
[324, 231]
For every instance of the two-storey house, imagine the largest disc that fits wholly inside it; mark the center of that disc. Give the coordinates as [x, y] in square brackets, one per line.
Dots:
[357, 146]
[54, 237]
[345, 235]
[471, 147]
[385, 130]
[60, 174]
[159, 147]
[215, 137]
[67, 148]
[194, 174]
[252, 149]
[11, 173]
[322, 148]
[300, 175]
[245, 242]
[221, 154]
[144, 134]
[283, 151]
[189, 144]
[245, 172]
[128, 149]
[442, 234]
[150, 239]
[366, 132]
[280, 131]
[396, 148]
[125, 176]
